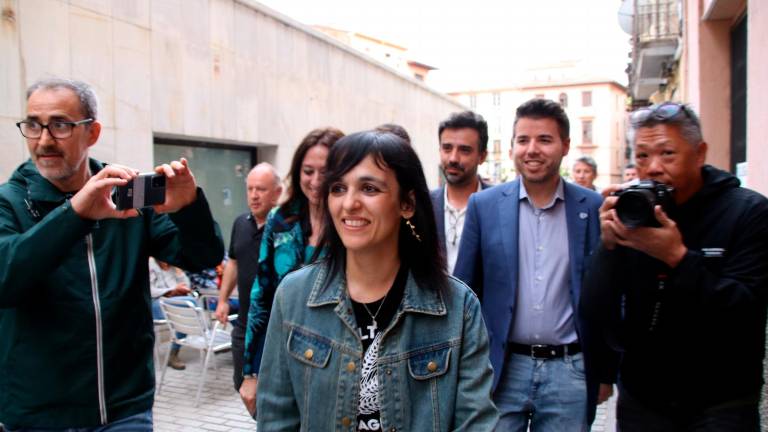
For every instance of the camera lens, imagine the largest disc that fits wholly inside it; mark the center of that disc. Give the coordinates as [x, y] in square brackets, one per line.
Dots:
[635, 207]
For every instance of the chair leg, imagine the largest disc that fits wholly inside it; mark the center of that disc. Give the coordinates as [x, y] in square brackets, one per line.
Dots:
[208, 353]
[165, 366]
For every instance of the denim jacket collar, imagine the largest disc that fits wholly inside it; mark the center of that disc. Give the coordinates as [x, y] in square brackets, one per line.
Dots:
[415, 299]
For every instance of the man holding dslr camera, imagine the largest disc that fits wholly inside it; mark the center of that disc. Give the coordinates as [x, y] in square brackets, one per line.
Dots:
[76, 333]
[681, 295]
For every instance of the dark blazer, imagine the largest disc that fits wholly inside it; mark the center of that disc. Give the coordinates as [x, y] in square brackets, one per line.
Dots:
[438, 203]
[488, 258]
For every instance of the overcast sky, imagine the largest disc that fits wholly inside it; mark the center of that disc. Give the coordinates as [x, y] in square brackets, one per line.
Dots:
[485, 43]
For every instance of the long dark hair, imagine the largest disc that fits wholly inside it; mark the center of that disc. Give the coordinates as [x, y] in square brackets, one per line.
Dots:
[424, 258]
[296, 204]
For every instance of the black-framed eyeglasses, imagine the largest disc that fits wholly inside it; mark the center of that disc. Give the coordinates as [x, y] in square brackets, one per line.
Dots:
[661, 112]
[57, 128]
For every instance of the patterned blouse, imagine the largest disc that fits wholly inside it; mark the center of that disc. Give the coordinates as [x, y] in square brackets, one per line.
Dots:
[283, 249]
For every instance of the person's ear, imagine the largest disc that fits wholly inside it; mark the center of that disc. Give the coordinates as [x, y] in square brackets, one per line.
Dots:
[408, 207]
[94, 130]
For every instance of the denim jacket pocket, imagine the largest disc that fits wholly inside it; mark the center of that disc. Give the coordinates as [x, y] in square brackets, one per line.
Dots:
[309, 348]
[430, 364]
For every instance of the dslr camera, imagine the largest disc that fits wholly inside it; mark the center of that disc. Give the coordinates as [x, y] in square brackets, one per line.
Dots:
[636, 203]
[145, 190]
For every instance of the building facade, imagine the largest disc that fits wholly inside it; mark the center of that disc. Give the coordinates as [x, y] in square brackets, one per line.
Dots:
[596, 110]
[226, 83]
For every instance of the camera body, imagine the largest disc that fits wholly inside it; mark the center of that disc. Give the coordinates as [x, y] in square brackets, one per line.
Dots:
[636, 203]
[145, 190]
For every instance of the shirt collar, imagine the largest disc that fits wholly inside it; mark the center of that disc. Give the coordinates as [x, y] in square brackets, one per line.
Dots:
[415, 299]
[559, 194]
[448, 206]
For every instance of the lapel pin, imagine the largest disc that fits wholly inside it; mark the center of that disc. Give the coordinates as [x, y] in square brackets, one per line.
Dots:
[582, 215]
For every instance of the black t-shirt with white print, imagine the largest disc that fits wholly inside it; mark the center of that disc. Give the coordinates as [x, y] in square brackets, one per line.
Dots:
[368, 418]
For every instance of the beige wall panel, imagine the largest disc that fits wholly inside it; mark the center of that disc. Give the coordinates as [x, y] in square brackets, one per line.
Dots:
[248, 101]
[44, 53]
[222, 22]
[13, 147]
[224, 95]
[92, 58]
[132, 11]
[101, 7]
[133, 148]
[167, 88]
[196, 85]
[133, 77]
[104, 149]
[11, 93]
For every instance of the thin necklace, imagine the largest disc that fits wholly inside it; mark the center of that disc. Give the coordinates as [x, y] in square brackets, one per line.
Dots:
[373, 316]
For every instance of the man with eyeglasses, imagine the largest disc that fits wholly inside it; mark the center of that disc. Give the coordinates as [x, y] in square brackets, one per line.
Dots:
[463, 147]
[684, 301]
[76, 333]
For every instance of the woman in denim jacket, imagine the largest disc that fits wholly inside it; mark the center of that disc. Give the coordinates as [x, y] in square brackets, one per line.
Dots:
[290, 235]
[376, 336]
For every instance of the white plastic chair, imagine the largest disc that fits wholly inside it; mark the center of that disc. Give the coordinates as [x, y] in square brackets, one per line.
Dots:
[184, 316]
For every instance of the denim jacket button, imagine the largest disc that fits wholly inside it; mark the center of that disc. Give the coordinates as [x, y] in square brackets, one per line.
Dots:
[308, 354]
[351, 367]
[431, 366]
[346, 422]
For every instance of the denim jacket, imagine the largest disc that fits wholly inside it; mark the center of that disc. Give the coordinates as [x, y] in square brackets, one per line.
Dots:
[433, 367]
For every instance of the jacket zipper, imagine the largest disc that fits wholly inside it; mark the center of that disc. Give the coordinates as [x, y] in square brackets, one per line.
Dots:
[99, 345]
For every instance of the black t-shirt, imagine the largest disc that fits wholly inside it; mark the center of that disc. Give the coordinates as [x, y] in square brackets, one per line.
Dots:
[244, 247]
[368, 418]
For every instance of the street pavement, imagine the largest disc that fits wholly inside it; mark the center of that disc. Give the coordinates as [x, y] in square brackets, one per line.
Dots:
[221, 409]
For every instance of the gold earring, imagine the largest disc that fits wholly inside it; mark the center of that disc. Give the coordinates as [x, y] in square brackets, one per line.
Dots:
[413, 229]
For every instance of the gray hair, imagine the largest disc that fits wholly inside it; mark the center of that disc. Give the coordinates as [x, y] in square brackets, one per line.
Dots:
[686, 121]
[268, 166]
[88, 101]
[587, 160]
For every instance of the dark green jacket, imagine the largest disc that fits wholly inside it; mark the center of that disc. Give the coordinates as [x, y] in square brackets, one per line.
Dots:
[76, 332]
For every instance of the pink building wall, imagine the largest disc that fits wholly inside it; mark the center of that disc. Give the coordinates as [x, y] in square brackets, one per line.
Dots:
[757, 97]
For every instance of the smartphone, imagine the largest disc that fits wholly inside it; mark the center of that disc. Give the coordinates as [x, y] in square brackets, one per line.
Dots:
[146, 190]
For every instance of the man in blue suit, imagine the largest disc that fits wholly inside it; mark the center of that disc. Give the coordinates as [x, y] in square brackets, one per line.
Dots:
[523, 250]
[463, 146]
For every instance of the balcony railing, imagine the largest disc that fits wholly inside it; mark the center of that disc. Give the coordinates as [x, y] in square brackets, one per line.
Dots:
[656, 20]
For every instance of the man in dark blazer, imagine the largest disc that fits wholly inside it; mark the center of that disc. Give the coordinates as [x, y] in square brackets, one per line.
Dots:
[463, 146]
[523, 250]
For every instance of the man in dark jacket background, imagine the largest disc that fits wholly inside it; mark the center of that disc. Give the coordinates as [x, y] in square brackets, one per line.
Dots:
[76, 333]
[684, 302]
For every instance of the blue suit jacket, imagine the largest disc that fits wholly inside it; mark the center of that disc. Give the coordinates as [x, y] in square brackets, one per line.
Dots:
[488, 258]
[438, 203]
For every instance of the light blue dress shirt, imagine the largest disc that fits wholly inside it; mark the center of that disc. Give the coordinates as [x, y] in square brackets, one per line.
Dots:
[543, 312]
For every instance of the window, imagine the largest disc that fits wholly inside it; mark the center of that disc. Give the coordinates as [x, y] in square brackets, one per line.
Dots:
[473, 101]
[563, 98]
[586, 131]
[586, 98]
[496, 99]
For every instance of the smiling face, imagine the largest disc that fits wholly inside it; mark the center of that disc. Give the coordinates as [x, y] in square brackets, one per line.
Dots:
[263, 192]
[460, 155]
[584, 175]
[662, 154]
[538, 150]
[366, 209]
[312, 172]
[62, 161]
